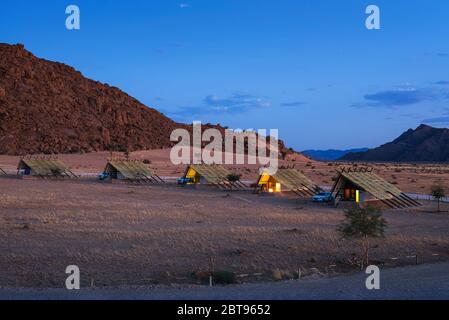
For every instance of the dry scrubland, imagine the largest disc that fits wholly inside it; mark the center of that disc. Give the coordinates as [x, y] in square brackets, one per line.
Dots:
[137, 235]
[415, 178]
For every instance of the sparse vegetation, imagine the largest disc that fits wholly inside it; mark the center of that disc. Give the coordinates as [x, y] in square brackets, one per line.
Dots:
[224, 277]
[438, 193]
[166, 233]
[279, 275]
[57, 172]
[363, 225]
[233, 177]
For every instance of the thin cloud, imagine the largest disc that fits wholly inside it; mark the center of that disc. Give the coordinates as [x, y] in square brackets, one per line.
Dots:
[184, 5]
[404, 96]
[293, 104]
[395, 97]
[237, 102]
[444, 119]
[234, 104]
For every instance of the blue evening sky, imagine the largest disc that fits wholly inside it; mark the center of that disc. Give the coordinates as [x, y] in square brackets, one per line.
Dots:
[307, 67]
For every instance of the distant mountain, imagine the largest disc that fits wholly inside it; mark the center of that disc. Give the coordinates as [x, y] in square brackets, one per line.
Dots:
[424, 144]
[330, 155]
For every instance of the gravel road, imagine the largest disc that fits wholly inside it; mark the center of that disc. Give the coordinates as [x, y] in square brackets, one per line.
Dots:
[419, 282]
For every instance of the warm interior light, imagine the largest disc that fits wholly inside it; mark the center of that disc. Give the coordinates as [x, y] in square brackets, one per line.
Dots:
[270, 190]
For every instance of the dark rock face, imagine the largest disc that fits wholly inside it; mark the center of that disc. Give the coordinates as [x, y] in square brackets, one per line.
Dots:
[425, 144]
[49, 107]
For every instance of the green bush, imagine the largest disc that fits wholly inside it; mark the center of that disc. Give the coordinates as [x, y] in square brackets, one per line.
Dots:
[233, 177]
[224, 277]
[56, 172]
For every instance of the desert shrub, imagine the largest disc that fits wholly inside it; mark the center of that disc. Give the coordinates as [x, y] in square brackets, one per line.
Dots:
[280, 275]
[224, 277]
[202, 276]
[363, 225]
[233, 177]
[121, 148]
[438, 193]
[56, 172]
[146, 161]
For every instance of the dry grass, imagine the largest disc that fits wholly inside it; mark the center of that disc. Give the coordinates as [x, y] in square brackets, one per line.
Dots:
[122, 234]
[416, 178]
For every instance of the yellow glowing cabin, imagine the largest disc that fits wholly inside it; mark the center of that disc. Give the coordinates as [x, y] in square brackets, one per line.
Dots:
[193, 175]
[269, 184]
[363, 186]
[212, 174]
[287, 180]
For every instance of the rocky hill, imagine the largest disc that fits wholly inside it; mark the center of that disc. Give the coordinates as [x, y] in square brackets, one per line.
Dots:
[424, 144]
[49, 107]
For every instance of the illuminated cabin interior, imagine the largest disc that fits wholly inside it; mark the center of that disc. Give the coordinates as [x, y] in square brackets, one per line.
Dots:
[215, 175]
[286, 180]
[193, 174]
[364, 187]
[269, 184]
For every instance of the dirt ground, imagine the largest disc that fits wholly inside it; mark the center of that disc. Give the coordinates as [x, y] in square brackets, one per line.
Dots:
[120, 234]
[412, 178]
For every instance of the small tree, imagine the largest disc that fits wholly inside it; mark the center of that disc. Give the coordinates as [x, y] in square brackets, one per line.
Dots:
[57, 172]
[127, 154]
[233, 177]
[438, 193]
[362, 225]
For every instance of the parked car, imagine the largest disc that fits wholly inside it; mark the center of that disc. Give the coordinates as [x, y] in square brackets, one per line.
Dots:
[184, 181]
[103, 176]
[323, 197]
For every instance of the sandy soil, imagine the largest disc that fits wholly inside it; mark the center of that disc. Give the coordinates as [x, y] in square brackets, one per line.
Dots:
[413, 178]
[120, 234]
